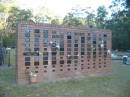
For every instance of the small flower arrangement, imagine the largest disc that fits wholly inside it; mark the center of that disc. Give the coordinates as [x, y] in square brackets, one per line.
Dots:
[31, 75]
[31, 72]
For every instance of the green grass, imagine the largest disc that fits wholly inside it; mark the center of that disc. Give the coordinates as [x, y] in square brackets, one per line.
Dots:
[115, 85]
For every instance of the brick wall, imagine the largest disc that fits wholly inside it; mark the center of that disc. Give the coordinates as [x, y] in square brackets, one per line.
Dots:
[55, 52]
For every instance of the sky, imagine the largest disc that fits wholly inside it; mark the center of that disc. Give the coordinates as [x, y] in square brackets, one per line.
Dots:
[61, 7]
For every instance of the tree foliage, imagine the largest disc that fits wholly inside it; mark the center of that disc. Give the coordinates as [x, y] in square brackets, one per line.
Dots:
[101, 17]
[16, 15]
[71, 20]
[9, 17]
[55, 21]
[118, 22]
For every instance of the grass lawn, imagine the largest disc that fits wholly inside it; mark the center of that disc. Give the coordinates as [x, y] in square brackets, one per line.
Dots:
[115, 85]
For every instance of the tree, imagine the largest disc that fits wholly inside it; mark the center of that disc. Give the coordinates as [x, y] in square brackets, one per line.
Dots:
[16, 15]
[9, 17]
[55, 21]
[43, 15]
[4, 13]
[101, 17]
[119, 24]
[89, 16]
[71, 20]
[90, 19]
[42, 19]
[128, 3]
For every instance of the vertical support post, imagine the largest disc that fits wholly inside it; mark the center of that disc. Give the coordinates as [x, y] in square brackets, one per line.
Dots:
[9, 59]
[1, 39]
[8, 51]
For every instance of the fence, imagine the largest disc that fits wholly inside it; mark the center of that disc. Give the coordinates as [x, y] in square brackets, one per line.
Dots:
[7, 56]
[2, 55]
